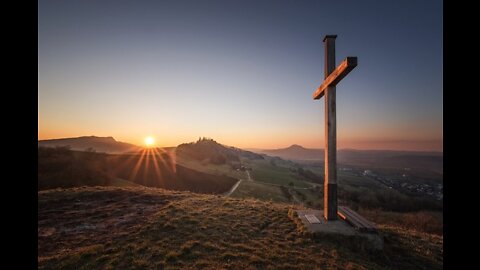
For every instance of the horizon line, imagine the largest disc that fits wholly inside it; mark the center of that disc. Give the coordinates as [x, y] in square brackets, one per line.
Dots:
[253, 148]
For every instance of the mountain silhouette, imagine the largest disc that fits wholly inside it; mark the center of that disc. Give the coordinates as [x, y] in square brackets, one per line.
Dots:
[295, 152]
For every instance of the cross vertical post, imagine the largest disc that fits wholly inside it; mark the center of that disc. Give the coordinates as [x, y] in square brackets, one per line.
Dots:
[330, 181]
[328, 89]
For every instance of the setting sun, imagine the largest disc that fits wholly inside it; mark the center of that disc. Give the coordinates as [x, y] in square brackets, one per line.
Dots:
[149, 141]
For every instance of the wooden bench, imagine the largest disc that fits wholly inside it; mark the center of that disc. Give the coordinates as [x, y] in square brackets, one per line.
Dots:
[354, 219]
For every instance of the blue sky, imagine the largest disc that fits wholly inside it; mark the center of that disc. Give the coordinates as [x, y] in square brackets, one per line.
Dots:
[241, 72]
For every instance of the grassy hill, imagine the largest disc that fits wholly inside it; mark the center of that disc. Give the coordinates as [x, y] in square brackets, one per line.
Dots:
[99, 144]
[209, 151]
[159, 169]
[61, 167]
[148, 228]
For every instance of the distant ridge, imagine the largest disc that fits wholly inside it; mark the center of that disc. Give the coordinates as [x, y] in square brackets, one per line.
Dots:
[99, 144]
[294, 152]
[295, 146]
[298, 152]
[389, 158]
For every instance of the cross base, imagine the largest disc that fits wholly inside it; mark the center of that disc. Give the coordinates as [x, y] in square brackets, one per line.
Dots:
[336, 230]
[330, 201]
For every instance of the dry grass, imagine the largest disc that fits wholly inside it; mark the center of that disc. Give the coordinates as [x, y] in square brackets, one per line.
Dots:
[423, 221]
[146, 228]
[258, 190]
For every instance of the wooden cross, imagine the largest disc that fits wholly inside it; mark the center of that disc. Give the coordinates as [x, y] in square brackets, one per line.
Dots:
[332, 77]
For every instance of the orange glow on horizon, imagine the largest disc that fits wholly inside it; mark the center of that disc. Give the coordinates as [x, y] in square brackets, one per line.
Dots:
[268, 141]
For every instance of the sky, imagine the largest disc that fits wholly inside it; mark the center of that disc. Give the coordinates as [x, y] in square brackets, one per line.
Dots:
[240, 72]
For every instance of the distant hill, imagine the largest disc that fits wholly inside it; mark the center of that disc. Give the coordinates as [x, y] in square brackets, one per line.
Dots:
[431, 161]
[99, 144]
[210, 151]
[294, 152]
[297, 152]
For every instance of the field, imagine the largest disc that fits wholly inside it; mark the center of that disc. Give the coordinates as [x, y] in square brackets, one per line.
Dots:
[271, 179]
[138, 228]
[361, 193]
[216, 169]
[264, 171]
[258, 190]
[64, 168]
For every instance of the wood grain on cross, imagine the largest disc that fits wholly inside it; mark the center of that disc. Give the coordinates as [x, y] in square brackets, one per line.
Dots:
[332, 77]
[336, 76]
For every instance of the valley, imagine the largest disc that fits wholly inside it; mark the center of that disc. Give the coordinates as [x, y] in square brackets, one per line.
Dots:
[103, 210]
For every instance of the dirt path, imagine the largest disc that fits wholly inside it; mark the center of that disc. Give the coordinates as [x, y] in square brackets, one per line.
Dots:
[233, 188]
[248, 176]
[238, 183]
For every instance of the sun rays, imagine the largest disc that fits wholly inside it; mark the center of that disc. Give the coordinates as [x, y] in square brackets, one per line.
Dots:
[147, 165]
[134, 172]
[171, 158]
[155, 165]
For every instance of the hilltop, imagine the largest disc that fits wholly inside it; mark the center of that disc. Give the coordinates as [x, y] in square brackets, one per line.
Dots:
[99, 144]
[148, 228]
[210, 151]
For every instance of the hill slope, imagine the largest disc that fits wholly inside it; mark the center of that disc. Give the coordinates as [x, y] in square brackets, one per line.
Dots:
[159, 169]
[60, 167]
[146, 228]
[99, 144]
[212, 152]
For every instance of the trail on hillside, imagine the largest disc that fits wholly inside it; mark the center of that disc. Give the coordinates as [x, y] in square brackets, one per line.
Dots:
[249, 177]
[238, 184]
[233, 188]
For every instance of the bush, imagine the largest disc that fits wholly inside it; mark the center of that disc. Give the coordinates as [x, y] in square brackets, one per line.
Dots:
[423, 221]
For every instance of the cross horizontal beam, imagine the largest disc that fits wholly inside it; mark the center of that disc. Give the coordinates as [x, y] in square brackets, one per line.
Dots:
[336, 76]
